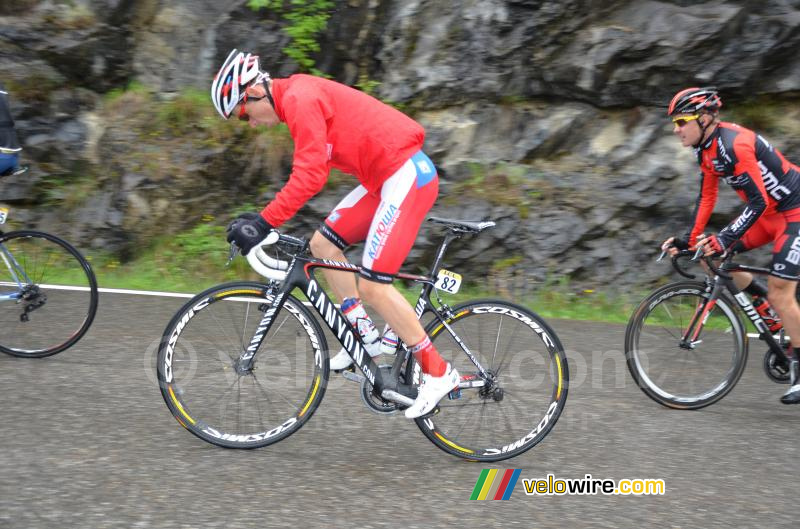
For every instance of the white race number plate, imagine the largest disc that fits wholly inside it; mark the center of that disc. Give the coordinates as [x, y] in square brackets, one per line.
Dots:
[448, 281]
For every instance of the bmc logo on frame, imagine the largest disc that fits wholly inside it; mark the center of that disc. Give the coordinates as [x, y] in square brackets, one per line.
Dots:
[495, 484]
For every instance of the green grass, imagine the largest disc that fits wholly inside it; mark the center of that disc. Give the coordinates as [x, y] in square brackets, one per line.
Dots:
[196, 260]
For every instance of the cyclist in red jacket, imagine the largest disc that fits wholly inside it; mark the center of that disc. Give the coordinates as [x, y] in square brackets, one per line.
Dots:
[335, 126]
[770, 187]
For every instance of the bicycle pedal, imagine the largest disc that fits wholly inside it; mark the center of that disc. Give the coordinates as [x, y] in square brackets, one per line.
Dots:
[352, 376]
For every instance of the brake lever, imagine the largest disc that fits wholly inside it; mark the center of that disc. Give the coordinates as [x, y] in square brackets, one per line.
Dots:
[232, 254]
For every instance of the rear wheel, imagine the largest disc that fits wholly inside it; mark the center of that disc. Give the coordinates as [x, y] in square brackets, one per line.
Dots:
[48, 294]
[215, 399]
[512, 409]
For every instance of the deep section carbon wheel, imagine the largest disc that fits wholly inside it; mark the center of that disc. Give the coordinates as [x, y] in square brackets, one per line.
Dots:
[513, 406]
[692, 373]
[208, 390]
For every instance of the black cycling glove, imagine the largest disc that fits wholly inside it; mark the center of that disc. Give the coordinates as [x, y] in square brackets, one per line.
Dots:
[247, 230]
[680, 244]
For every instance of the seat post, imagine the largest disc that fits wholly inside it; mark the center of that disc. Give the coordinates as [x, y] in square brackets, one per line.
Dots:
[450, 237]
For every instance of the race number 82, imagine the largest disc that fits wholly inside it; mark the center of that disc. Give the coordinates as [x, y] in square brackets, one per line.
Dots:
[448, 281]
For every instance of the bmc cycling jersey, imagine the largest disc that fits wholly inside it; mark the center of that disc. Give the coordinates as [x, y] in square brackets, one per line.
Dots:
[757, 171]
[335, 126]
[388, 220]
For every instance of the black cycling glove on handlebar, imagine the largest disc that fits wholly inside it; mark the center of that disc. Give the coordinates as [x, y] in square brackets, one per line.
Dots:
[247, 230]
[680, 244]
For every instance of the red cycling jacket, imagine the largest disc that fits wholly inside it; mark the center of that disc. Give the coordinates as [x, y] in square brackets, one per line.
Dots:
[333, 125]
[756, 170]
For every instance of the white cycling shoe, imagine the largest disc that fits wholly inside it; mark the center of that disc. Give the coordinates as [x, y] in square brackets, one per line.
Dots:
[431, 392]
[342, 360]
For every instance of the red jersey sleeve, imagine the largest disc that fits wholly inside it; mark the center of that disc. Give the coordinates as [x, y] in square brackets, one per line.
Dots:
[709, 188]
[306, 113]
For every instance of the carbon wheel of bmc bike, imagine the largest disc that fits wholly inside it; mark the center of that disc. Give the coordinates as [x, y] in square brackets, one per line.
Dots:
[48, 294]
[517, 407]
[224, 404]
[685, 377]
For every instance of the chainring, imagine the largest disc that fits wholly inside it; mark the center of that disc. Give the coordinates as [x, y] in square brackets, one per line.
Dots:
[373, 402]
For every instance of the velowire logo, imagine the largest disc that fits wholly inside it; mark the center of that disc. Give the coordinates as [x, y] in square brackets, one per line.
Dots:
[494, 484]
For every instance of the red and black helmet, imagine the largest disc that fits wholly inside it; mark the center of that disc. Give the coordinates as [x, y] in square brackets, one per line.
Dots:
[693, 100]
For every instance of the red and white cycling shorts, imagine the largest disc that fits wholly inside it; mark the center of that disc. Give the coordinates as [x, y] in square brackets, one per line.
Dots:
[388, 221]
[783, 229]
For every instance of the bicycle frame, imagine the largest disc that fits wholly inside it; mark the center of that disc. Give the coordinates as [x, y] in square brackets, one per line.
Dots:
[723, 281]
[300, 274]
[17, 274]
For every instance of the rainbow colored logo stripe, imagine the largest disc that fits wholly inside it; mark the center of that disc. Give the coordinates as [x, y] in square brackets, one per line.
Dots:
[495, 484]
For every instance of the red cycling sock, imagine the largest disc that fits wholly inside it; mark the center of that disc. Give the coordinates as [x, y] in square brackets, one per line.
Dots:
[429, 358]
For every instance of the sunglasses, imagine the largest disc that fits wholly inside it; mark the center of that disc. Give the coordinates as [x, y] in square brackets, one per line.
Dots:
[683, 120]
[244, 116]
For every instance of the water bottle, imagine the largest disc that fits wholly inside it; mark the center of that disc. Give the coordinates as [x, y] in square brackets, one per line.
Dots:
[360, 320]
[388, 341]
[769, 315]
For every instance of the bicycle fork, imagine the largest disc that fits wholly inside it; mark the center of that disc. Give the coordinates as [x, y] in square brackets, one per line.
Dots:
[691, 336]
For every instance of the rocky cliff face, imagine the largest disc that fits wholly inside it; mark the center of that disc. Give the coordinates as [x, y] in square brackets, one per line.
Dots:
[546, 116]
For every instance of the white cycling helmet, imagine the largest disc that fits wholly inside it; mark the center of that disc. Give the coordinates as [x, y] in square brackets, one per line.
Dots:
[238, 71]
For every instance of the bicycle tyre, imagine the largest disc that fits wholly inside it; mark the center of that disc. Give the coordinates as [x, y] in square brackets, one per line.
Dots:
[195, 367]
[68, 306]
[654, 356]
[469, 426]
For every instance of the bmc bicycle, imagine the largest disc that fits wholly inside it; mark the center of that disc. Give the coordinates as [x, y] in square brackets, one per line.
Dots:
[48, 293]
[245, 364]
[686, 345]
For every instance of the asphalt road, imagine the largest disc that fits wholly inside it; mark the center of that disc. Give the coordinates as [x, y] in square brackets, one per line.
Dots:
[88, 442]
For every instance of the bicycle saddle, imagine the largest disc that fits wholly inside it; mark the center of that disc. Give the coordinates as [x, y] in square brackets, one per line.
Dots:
[468, 226]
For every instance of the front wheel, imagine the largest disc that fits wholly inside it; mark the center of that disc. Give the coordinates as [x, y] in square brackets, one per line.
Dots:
[213, 396]
[503, 414]
[685, 373]
[48, 294]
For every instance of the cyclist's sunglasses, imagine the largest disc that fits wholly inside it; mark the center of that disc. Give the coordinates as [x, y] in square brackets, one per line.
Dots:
[244, 116]
[681, 121]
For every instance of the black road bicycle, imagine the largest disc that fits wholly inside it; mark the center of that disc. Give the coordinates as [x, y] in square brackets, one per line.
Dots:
[686, 345]
[48, 293]
[245, 364]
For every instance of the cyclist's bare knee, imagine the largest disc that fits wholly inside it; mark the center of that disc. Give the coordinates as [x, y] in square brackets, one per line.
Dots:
[371, 290]
[742, 279]
[781, 291]
[322, 248]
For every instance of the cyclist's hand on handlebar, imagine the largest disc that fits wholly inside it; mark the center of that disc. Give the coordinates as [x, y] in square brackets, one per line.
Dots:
[711, 245]
[673, 245]
[247, 230]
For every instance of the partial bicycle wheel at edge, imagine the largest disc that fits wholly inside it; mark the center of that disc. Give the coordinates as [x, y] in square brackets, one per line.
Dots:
[57, 301]
[678, 375]
[527, 390]
[214, 399]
